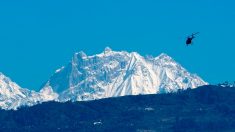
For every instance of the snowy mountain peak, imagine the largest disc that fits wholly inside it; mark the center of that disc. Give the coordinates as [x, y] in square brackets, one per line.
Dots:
[107, 50]
[78, 57]
[81, 54]
[12, 95]
[164, 57]
[117, 73]
[7, 87]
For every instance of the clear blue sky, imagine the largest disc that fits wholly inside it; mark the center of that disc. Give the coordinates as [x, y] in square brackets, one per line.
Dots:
[39, 36]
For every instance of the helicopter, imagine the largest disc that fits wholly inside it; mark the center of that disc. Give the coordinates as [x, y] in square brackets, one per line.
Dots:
[190, 38]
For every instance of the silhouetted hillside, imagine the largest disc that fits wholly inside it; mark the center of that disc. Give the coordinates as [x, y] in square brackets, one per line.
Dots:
[207, 108]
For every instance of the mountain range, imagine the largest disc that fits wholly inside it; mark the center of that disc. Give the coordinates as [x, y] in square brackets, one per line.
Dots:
[104, 75]
[207, 108]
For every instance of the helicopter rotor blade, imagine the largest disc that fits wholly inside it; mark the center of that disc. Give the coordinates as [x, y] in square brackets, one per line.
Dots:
[195, 33]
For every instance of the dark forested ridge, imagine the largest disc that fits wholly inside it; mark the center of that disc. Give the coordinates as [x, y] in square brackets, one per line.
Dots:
[207, 108]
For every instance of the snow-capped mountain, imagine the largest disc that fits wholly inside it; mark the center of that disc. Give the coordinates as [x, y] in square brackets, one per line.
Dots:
[117, 73]
[13, 96]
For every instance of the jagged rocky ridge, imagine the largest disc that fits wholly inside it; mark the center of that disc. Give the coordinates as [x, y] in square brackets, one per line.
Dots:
[13, 96]
[117, 73]
[108, 74]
